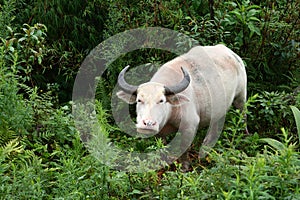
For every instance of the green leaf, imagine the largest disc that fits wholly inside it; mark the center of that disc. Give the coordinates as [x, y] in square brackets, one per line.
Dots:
[254, 7]
[21, 39]
[254, 19]
[11, 48]
[274, 143]
[296, 113]
[231, 4]
[237, 14]
[40, 60]
[10, 29]
[253, 29]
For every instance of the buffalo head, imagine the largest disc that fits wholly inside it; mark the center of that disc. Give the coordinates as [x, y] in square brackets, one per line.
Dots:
[154, 101]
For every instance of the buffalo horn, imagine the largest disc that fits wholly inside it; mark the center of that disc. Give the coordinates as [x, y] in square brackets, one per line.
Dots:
[180, 86]
[126, 87]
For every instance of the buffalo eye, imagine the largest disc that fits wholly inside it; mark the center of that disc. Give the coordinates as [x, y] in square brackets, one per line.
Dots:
[161, 101]
[139, 101]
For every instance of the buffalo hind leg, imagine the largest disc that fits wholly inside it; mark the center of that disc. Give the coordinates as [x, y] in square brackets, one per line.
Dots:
[239, 103]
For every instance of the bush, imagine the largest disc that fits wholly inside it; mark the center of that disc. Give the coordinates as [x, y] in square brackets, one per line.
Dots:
[28, 113]
[271, 110]
[75, 26]
[12, 125]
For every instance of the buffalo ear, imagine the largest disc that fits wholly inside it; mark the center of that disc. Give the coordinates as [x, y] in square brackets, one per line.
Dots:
[128, 98]
[177, 99]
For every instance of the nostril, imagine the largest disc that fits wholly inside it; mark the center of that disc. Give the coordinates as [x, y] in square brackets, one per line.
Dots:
[148, 122]
[144, 122]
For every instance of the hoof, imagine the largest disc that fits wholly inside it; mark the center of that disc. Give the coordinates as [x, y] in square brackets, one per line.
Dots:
[186, 167]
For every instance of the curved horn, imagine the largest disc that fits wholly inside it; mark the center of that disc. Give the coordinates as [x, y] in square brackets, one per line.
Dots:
[180, 86]
[130, 89]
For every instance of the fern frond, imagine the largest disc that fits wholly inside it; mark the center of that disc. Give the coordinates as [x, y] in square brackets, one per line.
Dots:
[12, 147]
[6, 134]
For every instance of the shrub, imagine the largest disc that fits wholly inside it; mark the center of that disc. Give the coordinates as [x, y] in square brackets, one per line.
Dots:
[271, 110]
[7, 16]
[15, 116]
[75, 26]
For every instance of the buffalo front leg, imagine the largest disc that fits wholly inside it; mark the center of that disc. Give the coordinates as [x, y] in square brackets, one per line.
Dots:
[211, 137]
[187, 137]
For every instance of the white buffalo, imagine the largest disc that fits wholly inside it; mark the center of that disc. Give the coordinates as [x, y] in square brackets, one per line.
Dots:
[193, 90]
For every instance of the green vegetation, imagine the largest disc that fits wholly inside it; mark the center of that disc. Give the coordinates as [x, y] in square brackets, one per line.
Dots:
[42, 46]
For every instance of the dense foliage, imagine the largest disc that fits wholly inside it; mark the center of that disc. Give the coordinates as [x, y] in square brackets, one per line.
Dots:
[42, 46]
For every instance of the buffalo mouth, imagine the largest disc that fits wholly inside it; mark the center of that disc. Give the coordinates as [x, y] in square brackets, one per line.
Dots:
[147, 130]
